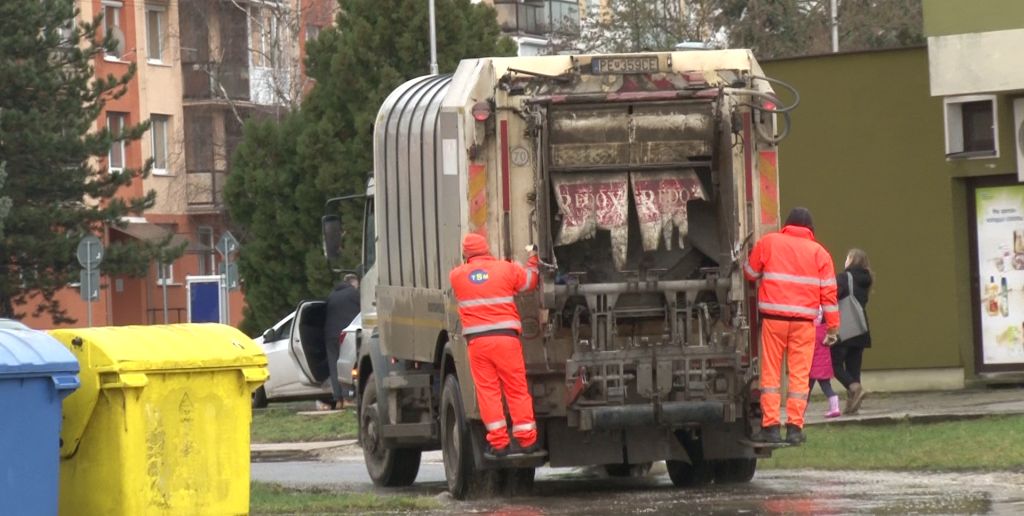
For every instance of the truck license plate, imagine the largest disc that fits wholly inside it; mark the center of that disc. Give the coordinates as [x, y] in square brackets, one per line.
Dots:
[624, 64]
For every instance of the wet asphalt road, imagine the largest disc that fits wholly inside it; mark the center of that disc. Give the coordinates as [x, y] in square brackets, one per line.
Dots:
[572, 491]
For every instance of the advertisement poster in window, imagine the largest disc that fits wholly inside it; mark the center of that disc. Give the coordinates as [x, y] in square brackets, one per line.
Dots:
[1000, 258]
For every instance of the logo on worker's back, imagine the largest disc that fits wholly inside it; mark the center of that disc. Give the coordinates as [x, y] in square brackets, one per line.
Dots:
[478, 276]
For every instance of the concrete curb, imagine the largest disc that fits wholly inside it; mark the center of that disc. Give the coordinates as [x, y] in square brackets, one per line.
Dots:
[279, 452]
[909, 417]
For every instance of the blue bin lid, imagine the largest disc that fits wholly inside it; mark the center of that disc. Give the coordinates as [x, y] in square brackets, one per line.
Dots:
[33, 353]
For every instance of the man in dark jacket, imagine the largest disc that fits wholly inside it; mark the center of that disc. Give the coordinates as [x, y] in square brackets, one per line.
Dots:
[342, 308]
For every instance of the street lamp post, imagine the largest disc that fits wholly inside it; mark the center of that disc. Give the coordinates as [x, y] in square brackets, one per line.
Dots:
[433, 41]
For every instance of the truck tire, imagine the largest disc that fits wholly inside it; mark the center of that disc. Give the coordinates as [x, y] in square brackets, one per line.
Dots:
[388, 467]
[464, 480]
[259, 398]
[735, 471]
[628, 470]
[685, 474]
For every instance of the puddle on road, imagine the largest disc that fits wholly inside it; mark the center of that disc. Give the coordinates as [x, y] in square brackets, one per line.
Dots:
[772, 492]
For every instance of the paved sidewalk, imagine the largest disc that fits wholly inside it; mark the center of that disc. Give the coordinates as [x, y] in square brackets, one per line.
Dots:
[877, 408]
[884, 408]
[274, 452]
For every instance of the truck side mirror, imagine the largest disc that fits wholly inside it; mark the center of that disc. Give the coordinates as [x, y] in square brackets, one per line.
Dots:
[331, 226]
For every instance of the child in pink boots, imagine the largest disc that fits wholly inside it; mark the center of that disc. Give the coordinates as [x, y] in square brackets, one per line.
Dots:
[821, 367]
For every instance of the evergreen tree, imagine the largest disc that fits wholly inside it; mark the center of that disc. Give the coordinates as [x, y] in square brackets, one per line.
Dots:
[49, 101]
[326, 148]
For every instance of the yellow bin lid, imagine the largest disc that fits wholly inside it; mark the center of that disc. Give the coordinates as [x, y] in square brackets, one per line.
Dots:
[118, 357]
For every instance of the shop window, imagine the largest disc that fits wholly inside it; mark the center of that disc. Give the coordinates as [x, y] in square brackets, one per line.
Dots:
[971, 127]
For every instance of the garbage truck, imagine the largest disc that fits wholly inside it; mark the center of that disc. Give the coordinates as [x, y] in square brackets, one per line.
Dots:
[643, 181]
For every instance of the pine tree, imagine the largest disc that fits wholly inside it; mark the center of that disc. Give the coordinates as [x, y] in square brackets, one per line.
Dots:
[282, 175]
[49, 101]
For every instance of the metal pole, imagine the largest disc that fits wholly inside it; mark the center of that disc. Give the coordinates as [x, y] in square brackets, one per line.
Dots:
[164, 288]
[433, 41]
[227, 287]
[835, 26]
[88, 282]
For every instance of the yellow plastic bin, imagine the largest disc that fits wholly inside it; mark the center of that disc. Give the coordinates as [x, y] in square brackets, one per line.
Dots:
[160, 424]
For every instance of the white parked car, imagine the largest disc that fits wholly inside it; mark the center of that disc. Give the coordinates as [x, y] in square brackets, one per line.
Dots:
[297, 358]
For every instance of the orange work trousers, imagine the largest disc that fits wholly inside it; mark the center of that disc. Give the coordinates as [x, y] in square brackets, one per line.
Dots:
[496, 363]
[795, 340]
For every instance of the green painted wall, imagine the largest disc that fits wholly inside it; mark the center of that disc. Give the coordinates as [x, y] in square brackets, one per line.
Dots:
[866, 155]
[944, 17]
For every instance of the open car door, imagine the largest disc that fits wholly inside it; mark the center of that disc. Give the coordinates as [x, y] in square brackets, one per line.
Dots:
[307, 341]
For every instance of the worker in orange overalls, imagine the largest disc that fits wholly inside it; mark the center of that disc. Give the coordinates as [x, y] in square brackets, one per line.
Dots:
[797, 277]
[485, 289]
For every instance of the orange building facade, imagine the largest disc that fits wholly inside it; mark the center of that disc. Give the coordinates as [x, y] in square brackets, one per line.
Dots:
[203, 67]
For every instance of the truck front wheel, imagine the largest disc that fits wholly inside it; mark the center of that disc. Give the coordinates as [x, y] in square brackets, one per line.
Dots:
[388, 467]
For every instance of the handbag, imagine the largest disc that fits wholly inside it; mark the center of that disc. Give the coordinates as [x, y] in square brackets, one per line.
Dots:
[852, 321]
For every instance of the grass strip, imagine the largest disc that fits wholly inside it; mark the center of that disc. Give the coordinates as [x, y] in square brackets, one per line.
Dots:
[274, 425]
[991, 443]
[276, 499]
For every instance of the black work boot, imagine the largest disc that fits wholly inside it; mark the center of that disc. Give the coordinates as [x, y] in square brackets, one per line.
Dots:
[495, 453]
[767, 434]
[795, 435]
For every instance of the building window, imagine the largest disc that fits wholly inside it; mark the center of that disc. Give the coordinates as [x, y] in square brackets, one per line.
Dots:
[263, 36]
[165, 274]
[207, 257]
[112, 26]
[115, 158]
[159, 127]
[312, 32]
[971, 127]
[156, 31]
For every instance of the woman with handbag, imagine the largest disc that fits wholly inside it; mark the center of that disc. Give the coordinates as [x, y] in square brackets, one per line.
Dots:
[854, 335]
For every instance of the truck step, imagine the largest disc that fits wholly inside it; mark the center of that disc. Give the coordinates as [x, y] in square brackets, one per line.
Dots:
[758, 444]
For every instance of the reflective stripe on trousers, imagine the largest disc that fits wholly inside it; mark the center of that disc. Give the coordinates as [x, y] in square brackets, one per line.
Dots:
[496, 363]
[795, 341]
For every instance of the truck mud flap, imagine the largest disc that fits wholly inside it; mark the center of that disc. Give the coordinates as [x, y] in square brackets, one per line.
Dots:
[672, 413]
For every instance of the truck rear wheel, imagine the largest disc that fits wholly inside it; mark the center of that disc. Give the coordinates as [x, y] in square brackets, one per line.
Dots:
[464, 480]
[628, 470]
[685, 474]
[735, 471]
[388, 467]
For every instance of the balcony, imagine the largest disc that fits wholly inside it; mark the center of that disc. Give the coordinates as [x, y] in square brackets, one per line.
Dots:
[204, 191]
[215, 81]
[535, 17]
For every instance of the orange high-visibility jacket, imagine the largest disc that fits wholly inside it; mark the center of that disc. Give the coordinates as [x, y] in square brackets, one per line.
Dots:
[797, 276]
[485, 289]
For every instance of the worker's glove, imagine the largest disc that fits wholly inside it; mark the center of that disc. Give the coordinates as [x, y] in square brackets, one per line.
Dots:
[831, 337]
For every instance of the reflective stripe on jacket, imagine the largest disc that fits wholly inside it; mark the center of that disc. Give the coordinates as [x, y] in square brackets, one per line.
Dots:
[797, 276]
[485, 289]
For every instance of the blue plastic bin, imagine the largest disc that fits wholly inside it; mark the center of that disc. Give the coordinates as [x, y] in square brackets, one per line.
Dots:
[36, 373]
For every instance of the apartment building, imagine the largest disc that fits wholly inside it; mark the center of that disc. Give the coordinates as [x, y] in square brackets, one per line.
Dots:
[203, 67]
[532, 23]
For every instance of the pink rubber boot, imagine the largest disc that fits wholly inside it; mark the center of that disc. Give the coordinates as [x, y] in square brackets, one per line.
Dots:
[833, 407]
